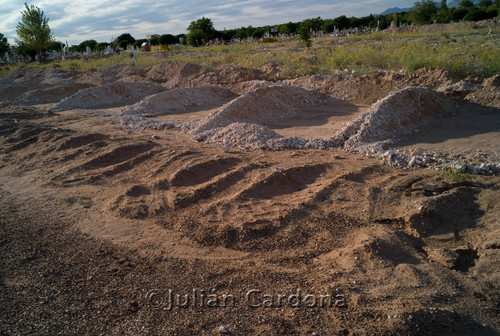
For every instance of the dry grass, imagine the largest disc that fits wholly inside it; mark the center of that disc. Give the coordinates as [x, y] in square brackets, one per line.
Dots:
[473, 52]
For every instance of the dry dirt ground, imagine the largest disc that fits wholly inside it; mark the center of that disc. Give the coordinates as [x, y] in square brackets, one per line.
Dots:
[104, 219]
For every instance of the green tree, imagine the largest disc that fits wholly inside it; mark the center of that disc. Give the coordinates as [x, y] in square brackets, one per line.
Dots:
[126, 37]
[200, 31]
[4, 45]
[305, 35]
[155, 40]
[484, 4]
[258, 33]
[33, 30]
[467, 4]
[167, 39]
[287, 28]
[102, 45]
[424, 11]
[443, 5]
[342, 22]
[123, 44]
[88, 43]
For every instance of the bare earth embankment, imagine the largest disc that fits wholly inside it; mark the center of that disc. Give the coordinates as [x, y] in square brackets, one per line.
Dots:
[121, 186]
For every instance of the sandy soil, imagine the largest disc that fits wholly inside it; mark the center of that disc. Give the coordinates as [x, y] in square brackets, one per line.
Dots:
[99, 221]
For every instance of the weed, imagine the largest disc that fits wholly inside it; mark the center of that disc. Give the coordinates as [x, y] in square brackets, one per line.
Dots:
[456, 174]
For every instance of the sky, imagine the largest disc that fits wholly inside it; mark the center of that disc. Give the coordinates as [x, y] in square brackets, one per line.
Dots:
[103, 20]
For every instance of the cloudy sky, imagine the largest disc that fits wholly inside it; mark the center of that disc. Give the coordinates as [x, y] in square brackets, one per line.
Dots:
[78, 20]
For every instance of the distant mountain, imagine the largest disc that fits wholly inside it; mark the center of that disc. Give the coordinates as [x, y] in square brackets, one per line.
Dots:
[394, 10]
[453, 3]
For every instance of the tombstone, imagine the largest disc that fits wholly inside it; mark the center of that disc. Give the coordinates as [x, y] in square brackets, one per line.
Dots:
[89, 52]
[181, 40]
[393, 25]
[109, 50]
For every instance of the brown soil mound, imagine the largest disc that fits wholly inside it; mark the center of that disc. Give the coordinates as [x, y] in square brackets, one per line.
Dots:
[432, 78]
[181, 101]
[110, 74]
[120, 219]
[113, 94]
[264, 106]
[51, 94]
[362, 90]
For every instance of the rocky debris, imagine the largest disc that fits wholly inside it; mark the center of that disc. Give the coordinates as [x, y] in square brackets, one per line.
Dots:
[108, 95]
[181, 101]
[238, 134]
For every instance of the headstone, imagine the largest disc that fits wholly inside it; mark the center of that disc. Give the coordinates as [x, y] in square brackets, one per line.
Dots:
[89, 52]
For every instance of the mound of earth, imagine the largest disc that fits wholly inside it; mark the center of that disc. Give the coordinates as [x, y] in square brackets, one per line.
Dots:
[264, 106]
[362, 90]
[179, 101]
[52, 94]
[110, 74]
[400, 113]
[108, 95]
[24, 79]
[432, 78]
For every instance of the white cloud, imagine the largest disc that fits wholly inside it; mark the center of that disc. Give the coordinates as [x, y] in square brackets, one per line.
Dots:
[79, 20]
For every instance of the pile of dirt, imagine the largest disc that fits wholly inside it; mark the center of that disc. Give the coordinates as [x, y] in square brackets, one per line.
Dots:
[52, 94]
[432, 78]
[178, 75]
[111, 74]
[108, 95]
[263, 106]
[181, 101]
[362, 90]
[25, 79]
[400, 113]
[489, 94]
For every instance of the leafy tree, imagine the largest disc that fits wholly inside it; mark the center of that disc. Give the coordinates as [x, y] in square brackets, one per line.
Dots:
[443, 5]
[424, 11]
[443, 16]
[196, 37]
[476, 15]
[33, 30]
[241, 34]
[88, 43]
[305, 35]
[125, 37]
[155, 40]
[102, 45]
[138, 43]
[167, 39]
[328, 26]
[258, 33]
[54, 45]
[288, 28]
[200, 31]
[4, 45]
[458, 14]
[123, 44]
[484, 4]
[181, 36]
[467, 4]
[342, 22]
